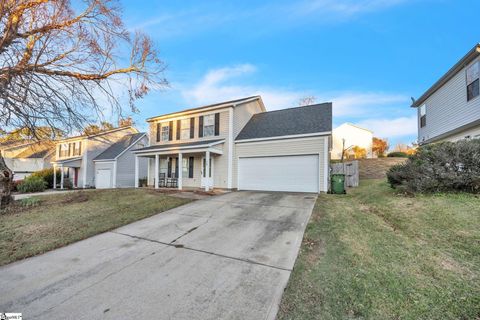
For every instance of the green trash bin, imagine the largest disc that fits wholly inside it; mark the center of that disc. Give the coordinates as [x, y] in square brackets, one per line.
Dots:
[338, 183]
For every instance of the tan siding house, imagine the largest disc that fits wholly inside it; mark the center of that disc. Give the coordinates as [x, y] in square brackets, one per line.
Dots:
[205, 147]
[74, 156]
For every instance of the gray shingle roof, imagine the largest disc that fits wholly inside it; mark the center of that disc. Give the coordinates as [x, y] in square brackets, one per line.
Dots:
[118, 147]
[178, 145]
[293, 121]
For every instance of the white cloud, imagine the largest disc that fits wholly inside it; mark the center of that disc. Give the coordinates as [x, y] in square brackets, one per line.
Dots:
[216, 86]
[360, 103]
[391, 128]
[223, 84]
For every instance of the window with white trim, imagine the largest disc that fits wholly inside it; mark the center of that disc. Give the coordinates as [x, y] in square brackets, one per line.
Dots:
[423, 115]
[165, 131]
[185, 167]
[63, 150]
[473, 81]
[185, 129]
[209, 125]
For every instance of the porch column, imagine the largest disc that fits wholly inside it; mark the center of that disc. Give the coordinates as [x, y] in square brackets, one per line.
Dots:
[180, 171]
[61, 176]
[155, 178]
[54, 176]
[136, 171]
[207, 170]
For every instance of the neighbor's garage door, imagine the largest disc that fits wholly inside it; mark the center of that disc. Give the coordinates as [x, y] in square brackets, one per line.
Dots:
[279, 173]
[103, 178]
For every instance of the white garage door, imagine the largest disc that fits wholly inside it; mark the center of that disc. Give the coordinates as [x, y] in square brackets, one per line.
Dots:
[103, 179]
[280, 173]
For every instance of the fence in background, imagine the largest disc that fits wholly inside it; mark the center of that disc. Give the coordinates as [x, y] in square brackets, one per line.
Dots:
[350, 169]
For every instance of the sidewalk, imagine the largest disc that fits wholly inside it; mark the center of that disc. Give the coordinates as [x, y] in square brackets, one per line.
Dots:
[45, 193]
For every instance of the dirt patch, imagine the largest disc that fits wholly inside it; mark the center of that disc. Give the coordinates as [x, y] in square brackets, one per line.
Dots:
[76, 197]
[377, 168]
[314, 250]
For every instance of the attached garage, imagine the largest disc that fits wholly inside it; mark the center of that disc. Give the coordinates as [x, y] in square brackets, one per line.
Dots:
[279, 173]
[285, 150]
[103, 178]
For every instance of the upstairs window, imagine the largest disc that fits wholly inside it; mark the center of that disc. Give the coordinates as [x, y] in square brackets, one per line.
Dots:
[185, 129]
[473, 83]
[423, 116]
[63, 152]
[209, 125]
[77, 148]
[165, 131]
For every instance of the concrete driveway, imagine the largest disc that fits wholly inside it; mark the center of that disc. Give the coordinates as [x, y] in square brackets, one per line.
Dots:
[226, 257]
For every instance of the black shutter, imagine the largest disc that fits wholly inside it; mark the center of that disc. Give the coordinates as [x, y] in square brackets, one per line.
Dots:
[190, 167]
[200, 126]
[192, 128]
[159, 128]
[170, 131]
[217, 124]
[176, 167]
[169, 168]
[179, 126]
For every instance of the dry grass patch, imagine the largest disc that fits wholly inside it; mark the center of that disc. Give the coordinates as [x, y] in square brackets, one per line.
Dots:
[36, 225]
[385, 256]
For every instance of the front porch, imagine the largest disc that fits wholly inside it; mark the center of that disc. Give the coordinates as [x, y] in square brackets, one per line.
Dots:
[179, 168]
[69, 172]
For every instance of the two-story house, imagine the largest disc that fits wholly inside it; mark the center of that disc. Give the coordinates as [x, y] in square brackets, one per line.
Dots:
[450, 109]
[239, 145]
[102, 160]
[26, 157]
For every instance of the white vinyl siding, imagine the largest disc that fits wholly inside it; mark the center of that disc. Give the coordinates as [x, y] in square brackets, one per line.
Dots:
[448, 109]
[126, 167]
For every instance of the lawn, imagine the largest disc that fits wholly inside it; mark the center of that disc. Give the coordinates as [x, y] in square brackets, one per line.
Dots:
[51, 222]
[372, 254]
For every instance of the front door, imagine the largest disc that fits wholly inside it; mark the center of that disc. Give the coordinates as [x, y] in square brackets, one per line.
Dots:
[207, 177]
[75, 177]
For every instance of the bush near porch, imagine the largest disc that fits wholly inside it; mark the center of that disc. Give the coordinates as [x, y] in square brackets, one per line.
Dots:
[39, 224]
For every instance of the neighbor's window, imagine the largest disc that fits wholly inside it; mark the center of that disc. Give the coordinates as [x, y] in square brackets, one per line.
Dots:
[209, 125]
[423, 116]
[165, 131]
[473, 83]
[184, 166]
[77, 148]
[64, 150]
[185, 129]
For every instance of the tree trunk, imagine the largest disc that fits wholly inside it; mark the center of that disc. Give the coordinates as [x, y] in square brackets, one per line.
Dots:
[6, 183]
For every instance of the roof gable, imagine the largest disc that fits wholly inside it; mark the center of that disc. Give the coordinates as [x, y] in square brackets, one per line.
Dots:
[219, 105]
[120, 146]
[294, 121]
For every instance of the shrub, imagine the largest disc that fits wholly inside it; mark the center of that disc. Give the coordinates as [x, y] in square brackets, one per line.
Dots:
[443, 167]
[32, 184]
[398, 154]
[15, 185]
[47, 175]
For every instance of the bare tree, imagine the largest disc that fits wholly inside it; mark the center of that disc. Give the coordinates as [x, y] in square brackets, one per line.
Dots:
[307, 101]
[60, 64]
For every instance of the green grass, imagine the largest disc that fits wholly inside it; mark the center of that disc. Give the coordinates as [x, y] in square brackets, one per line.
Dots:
[36, 225]
[372, 254]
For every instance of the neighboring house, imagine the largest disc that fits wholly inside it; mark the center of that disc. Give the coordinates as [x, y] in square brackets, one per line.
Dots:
[75, 156]
[353, 136]
[450, 109]
[34, 158]
[114, 167]
[238, 145]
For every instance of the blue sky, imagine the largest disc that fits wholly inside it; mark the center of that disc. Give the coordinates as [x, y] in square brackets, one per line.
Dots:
[367, 56]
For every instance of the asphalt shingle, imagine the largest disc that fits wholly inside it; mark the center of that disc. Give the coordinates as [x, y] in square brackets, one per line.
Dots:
[118, 147]
[293, 121]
